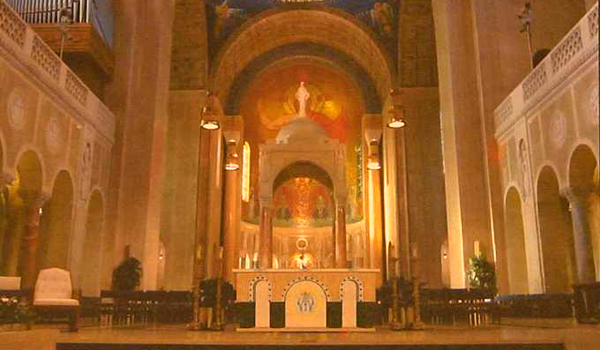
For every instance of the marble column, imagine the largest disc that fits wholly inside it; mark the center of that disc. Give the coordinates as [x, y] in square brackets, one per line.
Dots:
[578, 198]
[29, 246]
[230, 236]
[265, 249]
[340, 230]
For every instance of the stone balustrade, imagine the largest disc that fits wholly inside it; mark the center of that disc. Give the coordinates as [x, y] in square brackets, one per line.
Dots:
[572, 51]
[27, 48]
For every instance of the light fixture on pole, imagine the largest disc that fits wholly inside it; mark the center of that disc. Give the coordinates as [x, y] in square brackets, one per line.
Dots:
[396, 123]
[396, 111]
[373, 163]
[208, 120]
[373, 159]
[231, 162]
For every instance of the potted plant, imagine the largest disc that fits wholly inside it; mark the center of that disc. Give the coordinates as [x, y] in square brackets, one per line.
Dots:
[127, 276]
[26, 315]
[482, 273]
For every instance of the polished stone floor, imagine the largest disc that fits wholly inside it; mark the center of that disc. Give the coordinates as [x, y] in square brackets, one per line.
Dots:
[574, 337]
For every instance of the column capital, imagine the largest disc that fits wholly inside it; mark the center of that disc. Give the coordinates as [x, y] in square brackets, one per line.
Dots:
[341, 199]
[5, 179]
[34, 198]
[577, 194]
[265, 202]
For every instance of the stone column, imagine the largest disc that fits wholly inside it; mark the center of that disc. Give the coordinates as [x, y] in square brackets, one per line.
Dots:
[340, 230]
[29, 246]
[265, 249]
[579, 203]
[230, 236]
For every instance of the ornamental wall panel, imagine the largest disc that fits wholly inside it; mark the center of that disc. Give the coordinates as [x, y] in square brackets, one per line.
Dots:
[52, 137]
[585, 93]
[18, 109]
[538, 151]
[559, 131]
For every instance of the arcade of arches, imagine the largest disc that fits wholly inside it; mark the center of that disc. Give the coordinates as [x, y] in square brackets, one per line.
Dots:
[477, 169]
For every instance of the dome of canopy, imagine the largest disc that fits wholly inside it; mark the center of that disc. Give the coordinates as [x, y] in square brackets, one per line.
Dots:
[302, 130]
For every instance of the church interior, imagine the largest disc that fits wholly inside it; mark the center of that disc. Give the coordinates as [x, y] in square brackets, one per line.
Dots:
[238, 174]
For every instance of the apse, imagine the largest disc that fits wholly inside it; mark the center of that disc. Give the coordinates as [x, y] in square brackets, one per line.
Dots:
[335, 103]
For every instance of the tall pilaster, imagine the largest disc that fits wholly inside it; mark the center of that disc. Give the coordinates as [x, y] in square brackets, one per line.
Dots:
[139, 98]
[579, 201]
[467, 197]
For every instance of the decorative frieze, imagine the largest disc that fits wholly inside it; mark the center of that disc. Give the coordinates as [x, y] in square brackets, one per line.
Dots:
[76, 88]
[592, 18]
[535, 81]
[253, 284]
[45, 58]
[12, 25]
[566, 50]
[360, 287]
[306, 278]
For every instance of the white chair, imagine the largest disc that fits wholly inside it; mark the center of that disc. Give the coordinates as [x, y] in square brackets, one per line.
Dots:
[54, 295]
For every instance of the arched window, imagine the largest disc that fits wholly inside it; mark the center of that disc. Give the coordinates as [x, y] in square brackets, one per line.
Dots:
[246, 173]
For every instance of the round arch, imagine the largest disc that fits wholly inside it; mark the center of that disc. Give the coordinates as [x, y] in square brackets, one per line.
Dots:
[583, 175]
[582, 167]
[56, 223]
[30, 170]
[324, 170]
[325, 56]
[556, 234]
[515, 243]
[318, 24]
[303, 169]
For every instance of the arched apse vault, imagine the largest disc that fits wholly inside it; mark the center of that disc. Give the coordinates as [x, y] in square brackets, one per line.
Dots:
[320, 25]
[515, 243]
[303, 169]
[327, 56]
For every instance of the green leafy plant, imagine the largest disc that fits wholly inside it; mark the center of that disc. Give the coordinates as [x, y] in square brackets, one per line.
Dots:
[8, 310]
[127, 275]
[208, 293]
[481, 273]
[14, 311]
[25, 314]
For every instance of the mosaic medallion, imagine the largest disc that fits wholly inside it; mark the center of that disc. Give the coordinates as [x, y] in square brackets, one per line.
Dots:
[594, 105]
[16, 110]
[558, 129]
[54, 135]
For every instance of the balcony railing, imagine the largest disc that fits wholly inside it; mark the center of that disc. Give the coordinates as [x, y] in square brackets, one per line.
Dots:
[96, 12]
[20, 41]
[580, 44]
